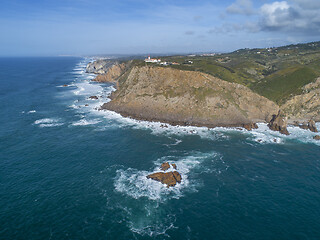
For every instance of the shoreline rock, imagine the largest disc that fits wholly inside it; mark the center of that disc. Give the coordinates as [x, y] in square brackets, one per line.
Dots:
[310, 125]
[279, 123]
[250, 126]
[316, 137]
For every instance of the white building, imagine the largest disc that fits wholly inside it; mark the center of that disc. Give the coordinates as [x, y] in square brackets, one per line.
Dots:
[152, 60]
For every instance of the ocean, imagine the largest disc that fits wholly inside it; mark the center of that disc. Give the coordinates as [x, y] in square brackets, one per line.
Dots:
[71, 171]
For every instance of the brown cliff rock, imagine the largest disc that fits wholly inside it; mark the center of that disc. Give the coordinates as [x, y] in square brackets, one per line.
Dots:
[250, 126]
[112, 74]
[312, 126]
[187, 98]
[306, 105]
[279, 123]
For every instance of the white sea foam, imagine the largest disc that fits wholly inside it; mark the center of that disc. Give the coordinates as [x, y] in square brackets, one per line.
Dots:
[264, 135]
[50, 125]
[32, 111]
[48, 122]
[84, 122]
[134, 183]
[148, 217]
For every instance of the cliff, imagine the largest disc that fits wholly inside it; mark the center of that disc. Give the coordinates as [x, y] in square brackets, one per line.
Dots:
[187, 98]
[112, 73]
[305, 106]
[100, 66]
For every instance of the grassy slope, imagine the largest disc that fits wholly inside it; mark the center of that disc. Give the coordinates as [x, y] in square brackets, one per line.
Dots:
[285, 83]
[276, 74]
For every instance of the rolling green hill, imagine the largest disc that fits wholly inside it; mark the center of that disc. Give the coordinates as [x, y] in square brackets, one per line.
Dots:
[277, 73]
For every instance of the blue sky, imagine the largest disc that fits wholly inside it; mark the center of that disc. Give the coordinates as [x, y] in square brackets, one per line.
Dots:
[88, 27]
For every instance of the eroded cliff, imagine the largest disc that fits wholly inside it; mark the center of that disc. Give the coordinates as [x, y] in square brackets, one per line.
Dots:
[305, 106]
[187, 98]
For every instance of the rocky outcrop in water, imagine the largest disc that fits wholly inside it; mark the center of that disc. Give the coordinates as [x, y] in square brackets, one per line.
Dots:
[168, 178]
[187, 98]
[279, 123]
[93, 98]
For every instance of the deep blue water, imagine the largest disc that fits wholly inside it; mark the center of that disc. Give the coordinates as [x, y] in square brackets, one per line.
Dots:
[69, 171]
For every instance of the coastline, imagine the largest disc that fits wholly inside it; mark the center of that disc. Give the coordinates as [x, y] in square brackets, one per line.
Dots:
[142, 94]
[178, 122]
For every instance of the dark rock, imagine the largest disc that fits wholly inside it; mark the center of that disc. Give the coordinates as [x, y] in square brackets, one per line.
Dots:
[174, 165]
[165, 166]
[65, 85]
[86, 105]
[316, 137]
[250, 126]
[169, 178]
[303, 126]
[279, 123]
[93, 97]
[312, 126]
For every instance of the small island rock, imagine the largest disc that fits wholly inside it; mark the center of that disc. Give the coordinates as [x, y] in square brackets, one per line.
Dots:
[93, 97]
[169, 178]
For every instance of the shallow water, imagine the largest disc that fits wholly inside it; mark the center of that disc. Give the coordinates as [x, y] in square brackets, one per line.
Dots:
[70, 171]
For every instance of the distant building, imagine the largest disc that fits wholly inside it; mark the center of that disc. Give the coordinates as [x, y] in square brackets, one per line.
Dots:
[152, 60]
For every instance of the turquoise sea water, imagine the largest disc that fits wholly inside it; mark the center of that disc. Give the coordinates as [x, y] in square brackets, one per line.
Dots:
[70, 171]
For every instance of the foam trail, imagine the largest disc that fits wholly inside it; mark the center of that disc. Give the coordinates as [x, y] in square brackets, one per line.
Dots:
[84, 122]
[48, 122]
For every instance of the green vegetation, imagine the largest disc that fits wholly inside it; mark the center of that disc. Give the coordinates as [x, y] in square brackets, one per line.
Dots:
[285, 83]
[276, 73]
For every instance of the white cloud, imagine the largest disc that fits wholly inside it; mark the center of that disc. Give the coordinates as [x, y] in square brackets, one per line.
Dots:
[294, 16]
[241, 7]
[276, 14]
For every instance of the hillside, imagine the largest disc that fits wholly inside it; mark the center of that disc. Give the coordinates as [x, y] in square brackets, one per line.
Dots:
[187, 98]
[277, 73]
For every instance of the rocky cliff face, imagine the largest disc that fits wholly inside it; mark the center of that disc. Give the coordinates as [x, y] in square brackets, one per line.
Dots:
[306, 106]
[187, 98]
[112, 73]
[100, 66]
